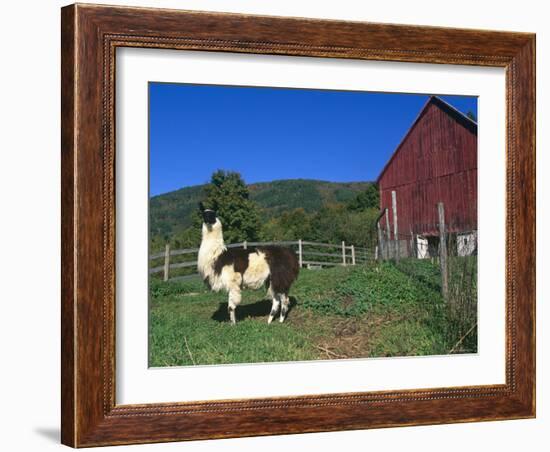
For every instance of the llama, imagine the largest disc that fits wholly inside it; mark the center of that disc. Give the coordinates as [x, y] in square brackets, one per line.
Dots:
[234, 269]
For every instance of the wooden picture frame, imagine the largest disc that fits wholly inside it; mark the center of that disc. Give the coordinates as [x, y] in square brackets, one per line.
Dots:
[90, 36]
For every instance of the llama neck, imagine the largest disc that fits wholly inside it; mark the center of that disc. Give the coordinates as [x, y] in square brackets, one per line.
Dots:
[212, 245]
[212, 237]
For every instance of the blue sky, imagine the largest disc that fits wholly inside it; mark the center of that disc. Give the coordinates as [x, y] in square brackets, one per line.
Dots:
[273, 133]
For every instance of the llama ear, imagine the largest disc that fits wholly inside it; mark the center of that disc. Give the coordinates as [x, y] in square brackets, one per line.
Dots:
[201, 206]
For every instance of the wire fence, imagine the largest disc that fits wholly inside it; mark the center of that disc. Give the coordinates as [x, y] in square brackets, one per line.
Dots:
[423, 246]
[453, 247]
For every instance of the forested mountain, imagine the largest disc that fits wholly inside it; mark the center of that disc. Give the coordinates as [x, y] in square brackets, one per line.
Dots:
[172, 212]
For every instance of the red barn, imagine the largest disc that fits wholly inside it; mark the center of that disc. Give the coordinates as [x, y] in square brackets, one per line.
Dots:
[435, 162]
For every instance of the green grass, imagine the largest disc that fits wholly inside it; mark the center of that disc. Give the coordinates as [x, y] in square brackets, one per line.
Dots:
[342, 312]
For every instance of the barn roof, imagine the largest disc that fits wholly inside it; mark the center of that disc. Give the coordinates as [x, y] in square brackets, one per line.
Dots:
[458, 116]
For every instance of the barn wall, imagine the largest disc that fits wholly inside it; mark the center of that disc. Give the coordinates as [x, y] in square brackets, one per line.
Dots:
[437, 162]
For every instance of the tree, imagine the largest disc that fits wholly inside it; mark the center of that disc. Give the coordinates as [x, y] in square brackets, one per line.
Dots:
[335, 223]
[368, 199]
[186, 238]
[327, 223]
[292, 225]
[228, 195]
[359, 228]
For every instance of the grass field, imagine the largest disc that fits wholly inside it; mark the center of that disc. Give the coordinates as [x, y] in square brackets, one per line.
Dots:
[375, 310]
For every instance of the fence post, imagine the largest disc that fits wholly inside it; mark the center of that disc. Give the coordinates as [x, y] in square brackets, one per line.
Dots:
[352, 254]
[244, 244]
[443, 251]
[380, 247]
[395, 230]
[413, 244]
[376, 256]
[388, 234]
[343, 253]
[166, 262]
[300, 260]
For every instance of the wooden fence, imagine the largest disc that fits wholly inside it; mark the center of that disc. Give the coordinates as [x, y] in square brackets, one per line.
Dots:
[310, 255]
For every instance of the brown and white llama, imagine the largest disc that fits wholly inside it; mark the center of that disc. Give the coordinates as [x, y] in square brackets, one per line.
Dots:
[234, 269]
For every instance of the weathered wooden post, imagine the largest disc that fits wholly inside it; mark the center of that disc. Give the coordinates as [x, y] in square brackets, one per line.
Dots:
[376, 255]
[388, 235]
[395, 229]
[413, 244]
[343, 253]
[443, 252]
[380, 246]
[167, 262]
[352, 254]
[300, 260]
[244, 245]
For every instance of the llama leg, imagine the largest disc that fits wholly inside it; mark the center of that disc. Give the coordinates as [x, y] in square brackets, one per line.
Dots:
[274, 308]
[284, 307]
[233, 302]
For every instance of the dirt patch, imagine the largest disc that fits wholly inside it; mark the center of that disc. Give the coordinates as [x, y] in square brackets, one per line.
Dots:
[345, 338]
[341, 337]
[347, 327]
[352, 337]
[347, 302]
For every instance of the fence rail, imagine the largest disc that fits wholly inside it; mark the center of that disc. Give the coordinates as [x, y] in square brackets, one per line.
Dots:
[346, 255]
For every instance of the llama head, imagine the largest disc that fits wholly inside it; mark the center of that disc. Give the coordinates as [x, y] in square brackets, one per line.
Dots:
[209, 217]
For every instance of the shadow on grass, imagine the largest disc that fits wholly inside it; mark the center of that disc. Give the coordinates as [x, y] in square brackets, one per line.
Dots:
[260, 308]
